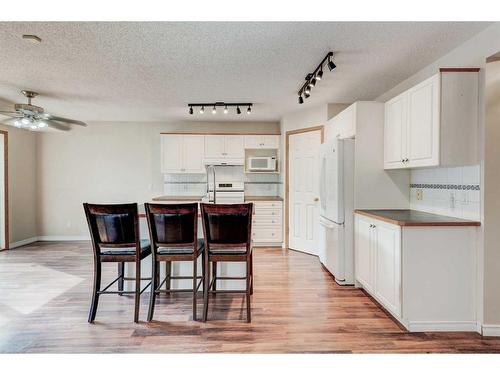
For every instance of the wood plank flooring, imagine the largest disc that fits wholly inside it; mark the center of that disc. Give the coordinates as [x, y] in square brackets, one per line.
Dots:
[296, 308]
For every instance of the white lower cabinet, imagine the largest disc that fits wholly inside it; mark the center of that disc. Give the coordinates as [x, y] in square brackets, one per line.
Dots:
[267, 223]
[378, 261]
[424, 276]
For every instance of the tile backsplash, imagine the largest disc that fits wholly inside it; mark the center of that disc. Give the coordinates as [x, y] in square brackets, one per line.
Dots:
[195, 184]
[447, 191]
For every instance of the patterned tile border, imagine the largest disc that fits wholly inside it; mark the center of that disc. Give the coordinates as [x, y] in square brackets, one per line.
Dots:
[445, 186]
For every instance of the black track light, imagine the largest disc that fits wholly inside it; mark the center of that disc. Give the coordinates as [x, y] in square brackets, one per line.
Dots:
[331, 65]
[319, 75]
[225, 110]
[307, 91]
[190, 110]
[214, 110]
[202, 110]
[306, 94]
[238, 110]
[301, 99]
[313, 82]
[249, 110]
[213, 107]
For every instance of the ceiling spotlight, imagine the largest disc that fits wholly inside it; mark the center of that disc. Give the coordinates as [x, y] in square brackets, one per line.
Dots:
[202, 110]
[225, 110]
[306, 94]
[238, 110]
[331, 65]
[307, 91]
[190, 110]
[319, 75]
[301, 99]
[313, 82]
[214, 110]
[249, 110]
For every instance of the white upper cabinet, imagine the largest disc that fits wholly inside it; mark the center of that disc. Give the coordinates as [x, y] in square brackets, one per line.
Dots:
[433, 123]
[262, 141]
[224, 147]
[182, 153]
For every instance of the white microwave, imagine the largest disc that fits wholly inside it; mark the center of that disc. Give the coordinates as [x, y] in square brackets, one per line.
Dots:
[261, 163]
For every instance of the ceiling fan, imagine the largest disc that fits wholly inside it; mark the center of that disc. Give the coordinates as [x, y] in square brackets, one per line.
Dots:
[29, 116]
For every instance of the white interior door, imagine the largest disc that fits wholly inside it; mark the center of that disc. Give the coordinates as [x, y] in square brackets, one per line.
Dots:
[304, 166]
[3, 219]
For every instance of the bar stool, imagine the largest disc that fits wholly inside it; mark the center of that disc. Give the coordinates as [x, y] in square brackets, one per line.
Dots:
[173, 231]
[114, 230]
[227, 229]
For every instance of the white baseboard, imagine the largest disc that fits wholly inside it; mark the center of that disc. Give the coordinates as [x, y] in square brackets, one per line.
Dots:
[491, 330]
[63, 238]
[465, 326]
[27, 241]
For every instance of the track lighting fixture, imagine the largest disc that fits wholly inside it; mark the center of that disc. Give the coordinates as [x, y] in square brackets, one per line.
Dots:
[314, 77]
[220, 104]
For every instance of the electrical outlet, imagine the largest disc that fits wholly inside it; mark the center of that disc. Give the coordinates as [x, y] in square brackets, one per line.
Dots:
[420, 194]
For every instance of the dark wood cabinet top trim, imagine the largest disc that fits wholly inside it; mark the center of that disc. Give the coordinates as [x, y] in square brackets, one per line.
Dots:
[413, 218]
[458, 70]
[242, 134]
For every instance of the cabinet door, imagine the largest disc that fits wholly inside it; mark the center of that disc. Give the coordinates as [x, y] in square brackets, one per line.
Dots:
[171, 153]
[363, 252]
[214, 146]
[253, 141]
[193, 153]
[395, 132]
[423, 124]
[234, 147]
[270, 141]
[388, 266]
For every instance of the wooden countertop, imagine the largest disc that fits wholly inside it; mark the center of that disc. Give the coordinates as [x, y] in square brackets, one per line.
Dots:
[413, 218]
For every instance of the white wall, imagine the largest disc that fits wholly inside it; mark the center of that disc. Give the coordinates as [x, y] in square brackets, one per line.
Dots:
[105, 163]
[22, 184]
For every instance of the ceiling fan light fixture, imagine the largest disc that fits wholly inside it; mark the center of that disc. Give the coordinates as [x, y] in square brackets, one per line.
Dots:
[25, 121]
[42, 124]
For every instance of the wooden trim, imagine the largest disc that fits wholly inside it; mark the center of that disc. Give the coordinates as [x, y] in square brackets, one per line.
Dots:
[458, 70]
[6, 188]
[408, 223]
[321, 128]
[177, 133]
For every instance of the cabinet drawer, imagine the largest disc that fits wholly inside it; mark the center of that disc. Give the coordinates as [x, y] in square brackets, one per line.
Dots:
[266, 234]
[267, 212]
[268, 204]
[266, 221]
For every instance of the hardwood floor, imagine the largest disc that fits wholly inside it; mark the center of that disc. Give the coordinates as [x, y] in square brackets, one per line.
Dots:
[296, 308]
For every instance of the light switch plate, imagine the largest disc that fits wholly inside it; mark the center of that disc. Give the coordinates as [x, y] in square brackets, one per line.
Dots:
[420, 194]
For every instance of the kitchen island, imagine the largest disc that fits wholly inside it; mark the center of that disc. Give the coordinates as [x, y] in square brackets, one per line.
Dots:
[420, 267]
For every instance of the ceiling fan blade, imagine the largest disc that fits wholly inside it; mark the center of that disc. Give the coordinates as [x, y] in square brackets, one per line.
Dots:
[58, 125]
[10, 113]
[48, 116]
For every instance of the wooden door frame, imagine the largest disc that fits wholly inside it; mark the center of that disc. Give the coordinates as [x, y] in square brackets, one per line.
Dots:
[321, 128]
[6, 187]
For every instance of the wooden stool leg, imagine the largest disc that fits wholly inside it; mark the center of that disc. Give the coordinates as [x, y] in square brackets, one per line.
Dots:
[205, 288]
[121, 272]
[195, 282]
[249, 318]
[251, 273]
[152, 296]
[214, 268]
[168, 273]
[97, 287]
[137, 290]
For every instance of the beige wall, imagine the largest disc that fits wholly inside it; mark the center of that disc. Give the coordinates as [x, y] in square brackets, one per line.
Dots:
[491, 193]
[106, 163]
[22, 184]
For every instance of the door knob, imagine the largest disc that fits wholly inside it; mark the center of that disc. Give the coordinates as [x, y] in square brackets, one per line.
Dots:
[316, 199]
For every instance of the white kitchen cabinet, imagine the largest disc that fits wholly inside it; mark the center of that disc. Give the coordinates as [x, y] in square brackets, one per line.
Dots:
[434, 123]
[262, 141]
[182, 153]
[424, 276]
[267, 223]
[224, 147]
[363, 252]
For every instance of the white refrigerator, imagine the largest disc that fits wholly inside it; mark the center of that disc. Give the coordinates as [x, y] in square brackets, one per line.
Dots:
[336, 247]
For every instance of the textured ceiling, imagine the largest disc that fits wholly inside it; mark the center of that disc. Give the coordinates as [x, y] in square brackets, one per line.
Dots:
[149, 71]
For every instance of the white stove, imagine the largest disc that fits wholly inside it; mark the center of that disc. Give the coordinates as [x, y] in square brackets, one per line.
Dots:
[225, 192]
